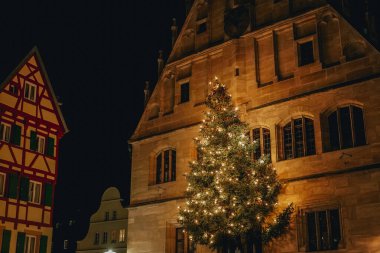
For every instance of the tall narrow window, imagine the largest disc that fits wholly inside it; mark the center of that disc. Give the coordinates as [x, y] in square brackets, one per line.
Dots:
[106, 216]
[323, 231]
[346, 128]
[298, 138]
[96, 239]
[305, 53]
[30, 244]
[105, 237]
[30, 91]
[185, 92]
[122, 235]
[179, 241]
[35, 192]
[113, 236]
[261, 136]
[5, 132]
[2, 184]
[114, 215]
[41, 144]
[166, 166]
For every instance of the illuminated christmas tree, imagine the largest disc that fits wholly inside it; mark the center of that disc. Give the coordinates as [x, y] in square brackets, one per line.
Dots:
[231, 199]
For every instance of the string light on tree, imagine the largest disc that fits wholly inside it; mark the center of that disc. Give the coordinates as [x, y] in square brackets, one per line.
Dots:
[230, 198]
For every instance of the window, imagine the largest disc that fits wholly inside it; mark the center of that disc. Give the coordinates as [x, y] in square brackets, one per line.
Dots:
[261, 136]
[30, 244]
[179, 241]
[185, 92]
[201, 27]
[41, 144]
[30, 91]
[114, 215]
[321, 230]
[13, 89]
[305, 53]
[34, 192]
[96, 240]
[106, 216]
[345, 128]
[166, 166]
[2, 184]
[122, 235]
[113, 236]
[5, 132]
[65, 244]
[298, 138]
[105, 237]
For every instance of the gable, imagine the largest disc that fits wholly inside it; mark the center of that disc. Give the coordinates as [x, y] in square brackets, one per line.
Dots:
[28, 91]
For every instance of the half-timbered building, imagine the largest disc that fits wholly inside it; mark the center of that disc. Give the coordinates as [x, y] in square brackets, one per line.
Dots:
[31, 126]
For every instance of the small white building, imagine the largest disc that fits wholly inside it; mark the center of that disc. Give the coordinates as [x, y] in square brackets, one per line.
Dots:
[108, 226]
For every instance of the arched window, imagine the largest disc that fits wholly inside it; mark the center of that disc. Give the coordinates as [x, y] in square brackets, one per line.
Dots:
[262, 137]
[345, 128]
[298, 138]
[166, 166]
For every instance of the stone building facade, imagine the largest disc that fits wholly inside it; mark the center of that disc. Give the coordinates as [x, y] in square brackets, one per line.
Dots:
[307, 83]
[108, 226]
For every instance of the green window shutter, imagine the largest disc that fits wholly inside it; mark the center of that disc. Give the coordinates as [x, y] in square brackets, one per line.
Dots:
[33, 141]
[6, 241]
[12, 186]
[16, 135]
[49, 150]
[48, 194]
[24, 188]
[20, 242]
[43, 243]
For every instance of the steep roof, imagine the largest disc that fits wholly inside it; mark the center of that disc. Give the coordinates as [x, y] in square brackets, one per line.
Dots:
[34, 52]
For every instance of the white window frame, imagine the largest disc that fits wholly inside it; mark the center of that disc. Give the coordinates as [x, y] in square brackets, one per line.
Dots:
[41, 144]
[5, 134]
[65, 244]
[33, 196]
[28, 87]
[2, 183]
[29, 247]
[122, 235]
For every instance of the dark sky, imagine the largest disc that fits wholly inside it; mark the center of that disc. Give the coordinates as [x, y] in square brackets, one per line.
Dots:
[98, 55]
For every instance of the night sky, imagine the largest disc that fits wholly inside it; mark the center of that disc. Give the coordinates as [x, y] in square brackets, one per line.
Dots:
[98, 55]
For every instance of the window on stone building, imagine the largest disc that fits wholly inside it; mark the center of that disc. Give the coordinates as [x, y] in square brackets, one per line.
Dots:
[30, 91]
[105, 237]
[96, 239]
[114, 215]
[166, 166]
[305, 53]
[298, 138]
[320, 229]
[177, 240]
[261, 136]
[13, 89]
[2, 184]
[201, 26]
[5, 132]
[113, 236]
[185, 92]
[345, 128]
[107, 216]
[122, 235]
[34, 192]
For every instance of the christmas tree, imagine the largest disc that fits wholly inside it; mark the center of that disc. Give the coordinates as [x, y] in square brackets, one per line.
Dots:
[231, 200]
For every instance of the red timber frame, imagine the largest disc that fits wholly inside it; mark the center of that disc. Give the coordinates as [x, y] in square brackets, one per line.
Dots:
[43, 128]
